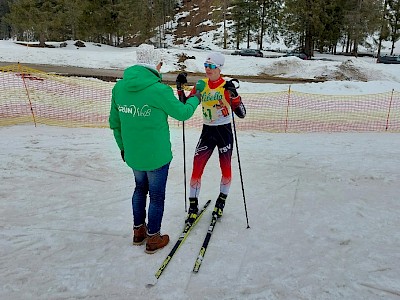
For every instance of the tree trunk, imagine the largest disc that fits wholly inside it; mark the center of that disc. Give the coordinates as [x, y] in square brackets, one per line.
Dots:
[348, 43]
[237, 37]
[42, 40]
[355, 48]
[262, 31]
[379, 46]
[308, 39]
[382, 28]
[248, 28]
[225, 32]
[392, 50]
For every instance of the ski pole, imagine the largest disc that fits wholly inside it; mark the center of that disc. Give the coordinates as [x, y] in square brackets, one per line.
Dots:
[237, 151]
[182, 99]
[184, 162]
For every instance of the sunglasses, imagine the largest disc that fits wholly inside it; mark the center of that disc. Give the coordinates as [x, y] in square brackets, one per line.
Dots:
[210, 66]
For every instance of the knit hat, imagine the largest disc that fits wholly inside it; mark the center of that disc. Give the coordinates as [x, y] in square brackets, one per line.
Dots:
[148, 56]
[216, 58]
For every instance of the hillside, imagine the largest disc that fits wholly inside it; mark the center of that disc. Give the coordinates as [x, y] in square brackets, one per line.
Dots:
[198, 19]
[198, 22]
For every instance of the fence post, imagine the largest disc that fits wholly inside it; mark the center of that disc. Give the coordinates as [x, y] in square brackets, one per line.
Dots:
[287, 110]
[27, 92]
[390, 107]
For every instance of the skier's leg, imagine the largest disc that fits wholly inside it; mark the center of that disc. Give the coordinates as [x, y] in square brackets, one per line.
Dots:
[225, 148]
[203, 152]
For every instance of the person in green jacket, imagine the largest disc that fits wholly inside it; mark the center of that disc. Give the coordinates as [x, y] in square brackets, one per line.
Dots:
[140, 106]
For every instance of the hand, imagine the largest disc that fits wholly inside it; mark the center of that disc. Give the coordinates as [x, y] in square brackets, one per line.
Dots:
[123, 155]
[182, 96]
[230, 87]
[198, 96]
[181, 79]
[235, 102]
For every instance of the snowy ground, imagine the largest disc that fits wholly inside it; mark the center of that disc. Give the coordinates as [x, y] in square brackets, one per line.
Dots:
[323, 213]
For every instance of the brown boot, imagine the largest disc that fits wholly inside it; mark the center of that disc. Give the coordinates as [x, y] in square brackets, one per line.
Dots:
[139, 235]
[155, 242]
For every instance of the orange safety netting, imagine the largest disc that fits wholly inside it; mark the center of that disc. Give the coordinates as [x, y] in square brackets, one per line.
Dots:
[32, 96]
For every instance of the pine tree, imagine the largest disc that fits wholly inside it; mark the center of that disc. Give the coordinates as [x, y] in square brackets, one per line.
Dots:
[42, 18]
[245, 15]
[332, 19]
[302, 23]
[270, 12]
[394, 22]
[362, 18]
[384, 28]
[5, 29]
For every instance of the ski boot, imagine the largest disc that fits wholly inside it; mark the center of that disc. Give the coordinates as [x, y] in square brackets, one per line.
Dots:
[219, 205]
[193, 210]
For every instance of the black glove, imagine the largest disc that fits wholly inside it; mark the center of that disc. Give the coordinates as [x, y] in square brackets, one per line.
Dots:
[181, 80]
[229, 86]
[123, 155]
[182, 96]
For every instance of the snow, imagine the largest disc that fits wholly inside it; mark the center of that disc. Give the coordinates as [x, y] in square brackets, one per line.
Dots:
[359, 75]
[323, 208]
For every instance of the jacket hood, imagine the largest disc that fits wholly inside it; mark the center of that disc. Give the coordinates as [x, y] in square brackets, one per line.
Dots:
[137, 78]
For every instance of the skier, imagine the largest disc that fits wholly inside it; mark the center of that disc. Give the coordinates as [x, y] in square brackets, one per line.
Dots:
[217, 97]
[140, 107]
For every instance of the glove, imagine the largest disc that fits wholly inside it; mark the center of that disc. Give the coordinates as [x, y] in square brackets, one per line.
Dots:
[123, 155]
[181, 96]
[181, 79]
[240, 111]
[235, 102]
[230, 87]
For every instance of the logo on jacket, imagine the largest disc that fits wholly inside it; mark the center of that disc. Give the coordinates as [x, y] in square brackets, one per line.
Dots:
[211, 96]
[143, 111]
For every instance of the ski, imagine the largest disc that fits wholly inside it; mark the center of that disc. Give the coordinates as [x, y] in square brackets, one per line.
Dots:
[185, 232]
[203, 249]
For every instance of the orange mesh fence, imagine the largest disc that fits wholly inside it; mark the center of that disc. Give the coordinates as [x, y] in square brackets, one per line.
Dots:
[32, 96]
[301, 112]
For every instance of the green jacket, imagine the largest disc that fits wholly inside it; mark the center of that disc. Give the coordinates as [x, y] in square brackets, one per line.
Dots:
[140, 106]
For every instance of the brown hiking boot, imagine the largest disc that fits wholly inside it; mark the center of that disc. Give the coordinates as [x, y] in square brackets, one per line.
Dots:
[155, 242]
[139, 235]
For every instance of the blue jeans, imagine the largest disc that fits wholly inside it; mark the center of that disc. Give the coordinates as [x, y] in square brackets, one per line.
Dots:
[152, 183]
